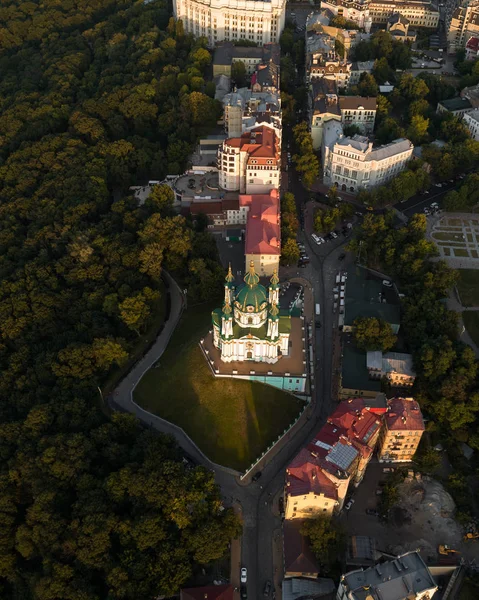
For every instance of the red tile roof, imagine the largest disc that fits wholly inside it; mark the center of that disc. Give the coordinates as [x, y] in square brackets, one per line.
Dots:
[473, 44]
[260, 143]
[304, 475]
[263, 231]
[298, 557]
[208, 592]
[404, 414]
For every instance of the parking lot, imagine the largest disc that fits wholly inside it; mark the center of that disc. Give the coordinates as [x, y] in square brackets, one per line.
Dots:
[457, 239]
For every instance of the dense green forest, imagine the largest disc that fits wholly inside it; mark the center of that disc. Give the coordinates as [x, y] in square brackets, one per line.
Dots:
[95, 95]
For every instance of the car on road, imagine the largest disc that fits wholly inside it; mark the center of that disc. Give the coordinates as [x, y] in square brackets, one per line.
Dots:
[267, 588]
[256, 476]
[372, 512]
[341, 256]
[244, 593]
[315, 237]
[389, 470]
[321, 240]
[426, 210]
[244, 575]
[378, 492]
[439, 185]
[387, 283]
[333, 234]
[434, 206]
[348, 504]
[426, 192]
[359, 214]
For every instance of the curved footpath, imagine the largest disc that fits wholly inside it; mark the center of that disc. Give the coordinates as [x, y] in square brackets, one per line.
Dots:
[122, 398]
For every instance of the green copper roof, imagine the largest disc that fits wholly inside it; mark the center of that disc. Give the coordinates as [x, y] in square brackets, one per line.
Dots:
[251, 292]
[274, 312]
[227, 309]
[251, 296]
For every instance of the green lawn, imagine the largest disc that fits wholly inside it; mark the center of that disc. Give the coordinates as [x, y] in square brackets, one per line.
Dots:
[468, 287]
[471, 322]
[232, 421]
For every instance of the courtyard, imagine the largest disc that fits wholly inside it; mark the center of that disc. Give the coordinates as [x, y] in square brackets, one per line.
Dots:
[457, 239]
[231, 421]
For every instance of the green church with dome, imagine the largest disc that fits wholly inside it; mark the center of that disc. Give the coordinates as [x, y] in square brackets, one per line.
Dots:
[249, 326]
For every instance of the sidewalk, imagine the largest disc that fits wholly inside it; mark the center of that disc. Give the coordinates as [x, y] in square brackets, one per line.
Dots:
[235, 566]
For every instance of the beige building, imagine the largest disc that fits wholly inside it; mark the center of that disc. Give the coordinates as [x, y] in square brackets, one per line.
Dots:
[462, 24]
[352, 164]
[471, 121]
[337, 70]
[219, 20]
[396, 367]
[356, 110]
[251, 163]
[402, 431]
[398, 27]
[323, 106]
[244, 110]
[418, 13]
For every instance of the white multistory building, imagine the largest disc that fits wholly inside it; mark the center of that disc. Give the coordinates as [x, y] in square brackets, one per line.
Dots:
[250, 164]
[461, 24]
[352, 164]
[219, 20]
[471, 121]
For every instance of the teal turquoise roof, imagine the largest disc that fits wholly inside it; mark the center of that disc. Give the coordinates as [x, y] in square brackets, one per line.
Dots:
[274, 312]
[251, 293]
[216, 317]
[251, 296]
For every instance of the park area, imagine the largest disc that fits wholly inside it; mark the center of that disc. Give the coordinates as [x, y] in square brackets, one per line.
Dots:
[230, 420]
[457, 240]
[468, 287]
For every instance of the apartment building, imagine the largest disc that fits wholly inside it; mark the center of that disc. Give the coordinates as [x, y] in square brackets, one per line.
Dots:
[404, 578]
[462, 24]
[318, 478]
[458, 106]
[251, 163]
[402, 431]
[353, 10]
[336, 70]
[471, 121]
[358, 68]
[352, 164]
[356, 110]
[244, 110]
[419, 13]
[217, 20]
[396, 367]
[323, 107]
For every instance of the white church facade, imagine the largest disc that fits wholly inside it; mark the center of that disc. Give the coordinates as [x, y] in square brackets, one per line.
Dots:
[248, 327]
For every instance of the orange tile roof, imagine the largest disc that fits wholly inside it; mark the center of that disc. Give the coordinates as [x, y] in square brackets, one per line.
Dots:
[263, 231]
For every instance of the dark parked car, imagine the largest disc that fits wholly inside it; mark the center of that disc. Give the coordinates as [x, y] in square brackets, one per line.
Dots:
[341, 256]
[267, 588]
[244, 593]
[372, 512]
[281, 505]
[256, 476]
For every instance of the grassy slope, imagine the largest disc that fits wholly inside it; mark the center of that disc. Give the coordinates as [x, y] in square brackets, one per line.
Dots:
[232, 421]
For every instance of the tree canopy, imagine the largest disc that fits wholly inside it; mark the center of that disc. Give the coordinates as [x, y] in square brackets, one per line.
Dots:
[371, 333]
[95, 96]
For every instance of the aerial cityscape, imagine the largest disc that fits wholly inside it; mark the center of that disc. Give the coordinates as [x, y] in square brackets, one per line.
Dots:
[240, 300]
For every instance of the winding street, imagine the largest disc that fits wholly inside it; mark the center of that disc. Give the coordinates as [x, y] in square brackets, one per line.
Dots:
[259, 521]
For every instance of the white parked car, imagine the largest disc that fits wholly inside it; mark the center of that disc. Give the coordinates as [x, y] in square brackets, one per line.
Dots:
[349, 504]
[244, 575]
[321, 240]
[387, 283]
[438, 184]
[315, 237]
[334, 235]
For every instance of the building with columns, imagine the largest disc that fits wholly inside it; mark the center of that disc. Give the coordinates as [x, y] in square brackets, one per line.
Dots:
[218, 20]
[248, 327]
